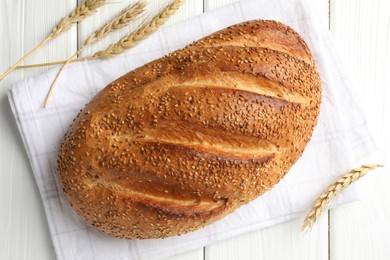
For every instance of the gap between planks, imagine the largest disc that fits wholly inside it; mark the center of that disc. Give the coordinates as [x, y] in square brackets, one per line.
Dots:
[329, 215]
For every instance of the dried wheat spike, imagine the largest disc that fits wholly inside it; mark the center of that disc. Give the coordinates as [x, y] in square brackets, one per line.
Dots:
[333, 190]
[127, 16]
[141, 33]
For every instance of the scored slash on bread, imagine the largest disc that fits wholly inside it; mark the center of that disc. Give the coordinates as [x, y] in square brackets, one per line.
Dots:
[185, 140]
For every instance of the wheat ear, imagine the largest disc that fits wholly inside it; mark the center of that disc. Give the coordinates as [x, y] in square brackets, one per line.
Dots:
[123, 19]
[127, 16]
[334, 190]
[85, 9]
[141, 33]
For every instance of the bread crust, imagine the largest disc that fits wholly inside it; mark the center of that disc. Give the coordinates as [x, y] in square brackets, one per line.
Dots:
[185, 140]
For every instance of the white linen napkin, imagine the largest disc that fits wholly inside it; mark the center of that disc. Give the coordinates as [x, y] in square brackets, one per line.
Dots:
[339, 141]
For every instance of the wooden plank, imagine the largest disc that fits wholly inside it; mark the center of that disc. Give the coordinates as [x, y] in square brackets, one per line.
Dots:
[190, 9]
[23, 24]
[362, 34]
[284, 241]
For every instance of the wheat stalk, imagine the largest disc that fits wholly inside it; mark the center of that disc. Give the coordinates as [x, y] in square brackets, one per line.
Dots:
[85, 9]
[123, 19]
[141, 33]
[46, 64]
[334, 190]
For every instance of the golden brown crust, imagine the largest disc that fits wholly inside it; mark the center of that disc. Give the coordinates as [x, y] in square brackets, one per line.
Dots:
[185, 140]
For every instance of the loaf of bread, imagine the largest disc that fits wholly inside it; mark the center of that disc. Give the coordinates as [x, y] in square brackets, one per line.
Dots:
[185, 140]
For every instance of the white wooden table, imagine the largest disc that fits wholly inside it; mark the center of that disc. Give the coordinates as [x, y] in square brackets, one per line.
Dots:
[361, 230]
